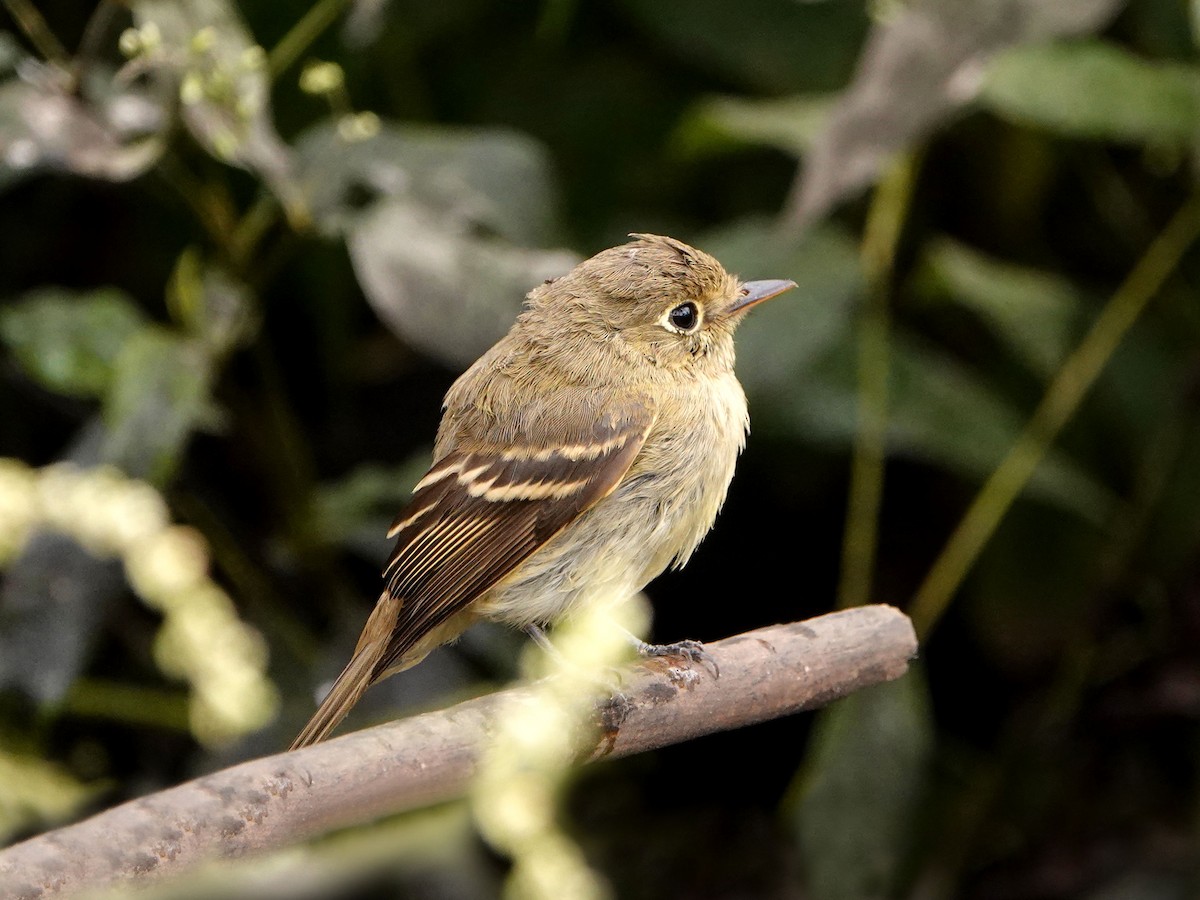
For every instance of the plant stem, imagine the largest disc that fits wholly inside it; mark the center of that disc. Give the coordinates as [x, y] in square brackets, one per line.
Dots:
[882, 234]
[250, 229]
[30, 21]
[1074, 379]
[300, 37]
[128, 704]
[210, 205]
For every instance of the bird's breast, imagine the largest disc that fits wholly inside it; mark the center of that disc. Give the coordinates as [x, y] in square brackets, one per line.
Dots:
[657, 515]
[692, 462]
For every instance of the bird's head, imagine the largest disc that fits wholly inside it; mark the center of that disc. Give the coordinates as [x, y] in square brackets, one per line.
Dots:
[653, 300]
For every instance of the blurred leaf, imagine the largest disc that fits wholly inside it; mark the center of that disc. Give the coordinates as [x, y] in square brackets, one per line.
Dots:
[1035, 313]
[10, 52]
[55, 598]
[109, 129]
[441, 226]
[940, 411]
[859, 797]
[129, 704]
[1091, 89]
[358, 510]
[34, 792]
[764, 45]
[1173, 534]
[498, 181]
[918, 67]
[447, 291]
[155, 389]
[790, 124]
[946, 412]
[1029, 615]
[220, 75]
[70, 341]
[1146, 378]
[160, 395]
[211, 304]
[778, 343]
[796, 360]
[53, 603]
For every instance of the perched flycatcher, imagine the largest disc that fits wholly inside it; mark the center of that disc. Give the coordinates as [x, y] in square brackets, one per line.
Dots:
[586, 451]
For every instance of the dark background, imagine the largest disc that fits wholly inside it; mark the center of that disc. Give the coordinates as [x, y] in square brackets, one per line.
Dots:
[1045, 744]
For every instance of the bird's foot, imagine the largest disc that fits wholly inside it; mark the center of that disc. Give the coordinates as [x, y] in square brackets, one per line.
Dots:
[692, 651]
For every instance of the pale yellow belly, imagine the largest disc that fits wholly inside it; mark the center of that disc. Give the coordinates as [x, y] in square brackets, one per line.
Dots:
[657, 515]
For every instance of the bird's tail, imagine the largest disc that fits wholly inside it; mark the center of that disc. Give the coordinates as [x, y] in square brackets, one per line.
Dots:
[359, 674]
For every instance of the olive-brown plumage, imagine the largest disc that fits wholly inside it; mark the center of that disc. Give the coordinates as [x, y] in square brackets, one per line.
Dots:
[586, 451]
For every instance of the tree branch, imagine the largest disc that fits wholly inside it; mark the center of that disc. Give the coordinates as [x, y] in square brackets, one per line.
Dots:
[280, 800]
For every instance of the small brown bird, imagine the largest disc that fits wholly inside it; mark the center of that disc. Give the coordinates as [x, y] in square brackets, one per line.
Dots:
[586, 451]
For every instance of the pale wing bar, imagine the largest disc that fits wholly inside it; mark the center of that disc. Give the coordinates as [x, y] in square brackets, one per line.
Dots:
[477, 515]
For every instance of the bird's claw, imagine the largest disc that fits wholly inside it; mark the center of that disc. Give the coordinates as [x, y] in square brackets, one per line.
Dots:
[692, 651]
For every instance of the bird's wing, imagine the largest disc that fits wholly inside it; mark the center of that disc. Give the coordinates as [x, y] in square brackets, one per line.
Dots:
[482, 510]
[489, 501]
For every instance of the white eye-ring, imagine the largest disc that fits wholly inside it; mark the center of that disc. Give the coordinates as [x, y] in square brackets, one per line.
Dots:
[682, 319]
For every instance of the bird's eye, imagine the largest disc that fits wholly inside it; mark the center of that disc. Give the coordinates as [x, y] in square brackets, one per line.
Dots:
[684, 317]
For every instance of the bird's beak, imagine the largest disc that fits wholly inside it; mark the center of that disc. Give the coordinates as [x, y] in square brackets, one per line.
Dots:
[755, 292]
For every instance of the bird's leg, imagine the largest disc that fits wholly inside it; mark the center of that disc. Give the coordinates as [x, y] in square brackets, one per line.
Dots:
[538, 635]
[692, 651]
[612, 684]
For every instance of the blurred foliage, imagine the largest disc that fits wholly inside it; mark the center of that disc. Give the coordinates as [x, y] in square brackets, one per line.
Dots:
[516, 792]
[247, 247]
[854, 815]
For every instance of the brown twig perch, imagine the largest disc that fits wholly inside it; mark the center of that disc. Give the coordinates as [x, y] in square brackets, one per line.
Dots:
[271, 803]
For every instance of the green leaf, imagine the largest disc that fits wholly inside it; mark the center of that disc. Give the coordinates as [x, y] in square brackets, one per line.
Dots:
[443, 227]
[1095, 90]
[1029, 615]
[1035, 313]
[498, 181]
[10, 52]
[796, 361]
[34, 792]
[940, 411]
[55, 599]
[45, 129]
[856, 804]
[948, 413]
[447, 291]
[211, 304]
[762, 45]
[918, 68]
[69, 341]
[160, 395]
[1173, 531]
[790, 124]
[103, 125]
[219, 73]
